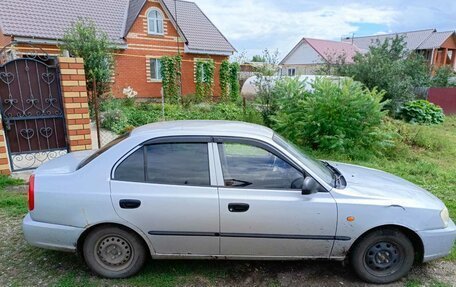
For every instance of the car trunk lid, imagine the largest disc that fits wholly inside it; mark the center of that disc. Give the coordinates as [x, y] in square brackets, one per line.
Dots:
[65, 164]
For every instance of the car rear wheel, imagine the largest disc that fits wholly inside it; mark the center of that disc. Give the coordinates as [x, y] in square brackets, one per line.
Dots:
[113, 252]
[383, 256]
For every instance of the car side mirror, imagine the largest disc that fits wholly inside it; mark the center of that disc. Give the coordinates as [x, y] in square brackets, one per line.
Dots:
[310, 186]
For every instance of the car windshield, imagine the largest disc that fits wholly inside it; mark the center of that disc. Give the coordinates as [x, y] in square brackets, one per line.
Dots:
[315, 165]
[103, 149]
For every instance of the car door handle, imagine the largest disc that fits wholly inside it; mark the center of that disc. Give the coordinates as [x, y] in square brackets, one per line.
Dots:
[129, 203]
[238, 207]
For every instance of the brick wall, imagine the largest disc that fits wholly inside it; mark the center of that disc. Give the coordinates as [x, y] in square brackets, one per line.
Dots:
[75, 103]
[4, 162]
[132, 64]
[4, 40]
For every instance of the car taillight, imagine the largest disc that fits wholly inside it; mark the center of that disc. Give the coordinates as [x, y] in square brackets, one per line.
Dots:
[31, 193]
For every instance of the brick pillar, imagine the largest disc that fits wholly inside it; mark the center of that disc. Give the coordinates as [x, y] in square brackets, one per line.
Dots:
[4, 159]
[75, 103]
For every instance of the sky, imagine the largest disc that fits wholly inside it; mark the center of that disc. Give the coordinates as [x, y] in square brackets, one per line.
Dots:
[251, 26]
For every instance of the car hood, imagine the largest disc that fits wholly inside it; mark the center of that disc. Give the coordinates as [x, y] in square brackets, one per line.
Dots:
[376, 184]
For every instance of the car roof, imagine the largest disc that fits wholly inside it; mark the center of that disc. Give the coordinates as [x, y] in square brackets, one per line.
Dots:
[204, 127]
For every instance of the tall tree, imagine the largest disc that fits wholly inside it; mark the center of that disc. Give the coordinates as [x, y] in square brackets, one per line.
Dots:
[84, 40]
[389, 66]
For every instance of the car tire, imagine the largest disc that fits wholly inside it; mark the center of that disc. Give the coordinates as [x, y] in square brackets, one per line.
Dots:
[114, 252]
[383, 256]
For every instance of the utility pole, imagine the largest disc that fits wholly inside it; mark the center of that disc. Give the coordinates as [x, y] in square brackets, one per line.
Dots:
[178, 50]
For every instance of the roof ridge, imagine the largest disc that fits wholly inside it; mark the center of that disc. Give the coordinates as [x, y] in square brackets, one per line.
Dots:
[449, 31]
[338, 42]
[292, 50]
[173, 19]
[390, 34]
[124, 24]
[186, 1]
[126, 29]
[204, 14]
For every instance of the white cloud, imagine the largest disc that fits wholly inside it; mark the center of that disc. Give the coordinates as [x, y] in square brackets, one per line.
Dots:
[255, 25]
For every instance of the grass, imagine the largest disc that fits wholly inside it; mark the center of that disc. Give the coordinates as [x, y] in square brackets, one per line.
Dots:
[164, 274]
[14, 204]
[418, 283]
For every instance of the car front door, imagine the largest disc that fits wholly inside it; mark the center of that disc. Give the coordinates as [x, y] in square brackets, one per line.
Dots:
[165, 188]
[262, 209]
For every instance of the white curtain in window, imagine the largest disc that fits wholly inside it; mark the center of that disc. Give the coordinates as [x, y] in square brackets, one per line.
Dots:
[155, 22]
[155, 67]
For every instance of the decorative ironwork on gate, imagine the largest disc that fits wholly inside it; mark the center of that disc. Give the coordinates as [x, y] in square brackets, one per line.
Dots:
[32, 112]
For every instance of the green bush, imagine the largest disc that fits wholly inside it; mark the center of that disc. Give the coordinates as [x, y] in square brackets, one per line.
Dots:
[442, 77]
[422, 112]
[342, 117]
[114, 120]
[119, 117]
[389, 66]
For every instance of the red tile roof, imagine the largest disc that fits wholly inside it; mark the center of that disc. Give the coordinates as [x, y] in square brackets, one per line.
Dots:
[332, 50]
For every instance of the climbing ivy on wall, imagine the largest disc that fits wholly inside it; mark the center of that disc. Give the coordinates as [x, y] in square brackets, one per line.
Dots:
[234, 82]
[204, 78]
[229, 81]
[171, 75]
[225, 80]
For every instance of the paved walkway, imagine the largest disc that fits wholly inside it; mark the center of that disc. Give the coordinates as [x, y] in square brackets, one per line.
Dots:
[105, 136]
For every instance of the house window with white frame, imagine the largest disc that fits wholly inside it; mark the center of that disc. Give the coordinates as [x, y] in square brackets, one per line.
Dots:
[291, 72]
[202, 73]
[155, 69]
[154, 22]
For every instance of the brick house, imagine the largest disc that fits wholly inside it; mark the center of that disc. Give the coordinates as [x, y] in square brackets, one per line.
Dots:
[142, 30]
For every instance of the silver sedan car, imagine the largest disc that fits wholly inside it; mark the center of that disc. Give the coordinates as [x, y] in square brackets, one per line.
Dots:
[229, 190]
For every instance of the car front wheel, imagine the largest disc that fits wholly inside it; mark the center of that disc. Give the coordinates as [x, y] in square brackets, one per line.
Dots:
[383, 256]
[113, 252]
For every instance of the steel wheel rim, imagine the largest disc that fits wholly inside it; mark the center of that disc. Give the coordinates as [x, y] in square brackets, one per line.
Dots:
[383, 258]
[114, 252]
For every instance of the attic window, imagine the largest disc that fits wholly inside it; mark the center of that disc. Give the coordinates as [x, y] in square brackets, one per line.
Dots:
[154, 22]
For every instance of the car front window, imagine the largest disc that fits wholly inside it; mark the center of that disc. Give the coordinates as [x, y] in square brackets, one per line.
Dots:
[252, 167]
[315, 165]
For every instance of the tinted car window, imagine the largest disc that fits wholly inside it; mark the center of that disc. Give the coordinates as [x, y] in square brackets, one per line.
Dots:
[132, 168]
[253, 167]
[178, 164]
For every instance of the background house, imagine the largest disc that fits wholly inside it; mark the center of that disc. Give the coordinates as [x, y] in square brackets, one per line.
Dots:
[439, 48]
[142, 30]
[309, 55]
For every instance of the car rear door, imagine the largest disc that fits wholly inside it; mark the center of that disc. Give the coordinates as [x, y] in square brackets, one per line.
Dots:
[262, 210]
[166, 188]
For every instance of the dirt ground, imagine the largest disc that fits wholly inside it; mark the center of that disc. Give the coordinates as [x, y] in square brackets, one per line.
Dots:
[23, 265]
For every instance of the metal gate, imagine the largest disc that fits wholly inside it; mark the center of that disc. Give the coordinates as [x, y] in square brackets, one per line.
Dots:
[32, 112]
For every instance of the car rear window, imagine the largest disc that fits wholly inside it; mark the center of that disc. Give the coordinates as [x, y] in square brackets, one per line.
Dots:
[103, 149]
[178, 164]
[132, 168]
